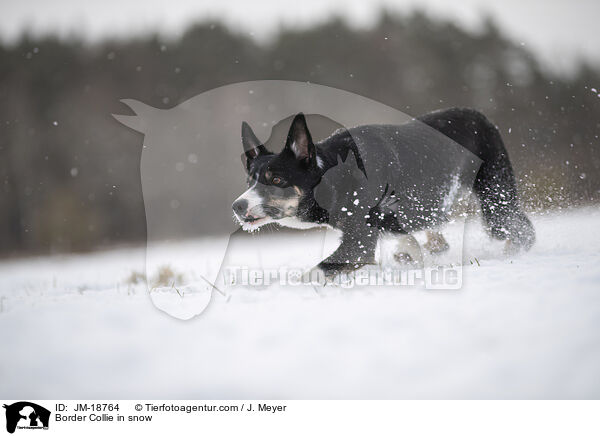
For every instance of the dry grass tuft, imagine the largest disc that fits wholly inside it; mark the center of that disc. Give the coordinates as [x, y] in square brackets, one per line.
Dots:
[135, 278]
[166, 276]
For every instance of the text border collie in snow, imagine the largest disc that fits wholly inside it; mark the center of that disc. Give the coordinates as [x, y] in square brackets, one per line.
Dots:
[382, 178]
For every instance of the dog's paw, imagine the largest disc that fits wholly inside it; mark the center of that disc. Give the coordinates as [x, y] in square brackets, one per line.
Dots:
[403, 258]
[327, 275]
[407, 260]
[314, 276]
[436, 243]
[511, 248]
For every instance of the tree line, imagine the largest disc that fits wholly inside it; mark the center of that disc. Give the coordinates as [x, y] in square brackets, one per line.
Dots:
[69, 172]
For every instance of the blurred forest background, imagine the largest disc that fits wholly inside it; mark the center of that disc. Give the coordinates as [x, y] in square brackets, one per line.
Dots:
[69, 172]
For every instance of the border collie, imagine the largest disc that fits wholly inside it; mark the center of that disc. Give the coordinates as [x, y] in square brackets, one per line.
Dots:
[374, 178]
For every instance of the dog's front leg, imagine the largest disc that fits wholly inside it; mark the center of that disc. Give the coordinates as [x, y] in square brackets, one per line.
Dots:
[356, 250]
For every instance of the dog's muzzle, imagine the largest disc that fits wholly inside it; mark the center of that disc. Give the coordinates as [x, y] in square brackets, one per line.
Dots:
[240, 208]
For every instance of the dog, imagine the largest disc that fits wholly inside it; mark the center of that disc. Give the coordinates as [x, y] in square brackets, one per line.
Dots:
[371, 179]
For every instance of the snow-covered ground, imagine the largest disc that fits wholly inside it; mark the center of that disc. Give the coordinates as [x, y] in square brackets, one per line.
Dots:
[526, 326]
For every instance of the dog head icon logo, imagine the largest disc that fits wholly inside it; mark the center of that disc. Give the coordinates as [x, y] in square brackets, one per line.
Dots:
[25, 414]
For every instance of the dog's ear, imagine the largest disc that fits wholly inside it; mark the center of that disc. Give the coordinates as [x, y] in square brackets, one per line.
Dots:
[300, 142]
[252, 146]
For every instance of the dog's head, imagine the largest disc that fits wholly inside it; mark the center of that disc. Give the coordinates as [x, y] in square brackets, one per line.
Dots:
[279, 185]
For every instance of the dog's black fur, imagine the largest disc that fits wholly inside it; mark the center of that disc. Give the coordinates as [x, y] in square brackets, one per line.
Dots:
[375, 178]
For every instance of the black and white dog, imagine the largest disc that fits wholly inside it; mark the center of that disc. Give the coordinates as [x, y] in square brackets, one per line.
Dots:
[374, 178]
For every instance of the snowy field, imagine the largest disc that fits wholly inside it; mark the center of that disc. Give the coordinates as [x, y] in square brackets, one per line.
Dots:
[526, 326]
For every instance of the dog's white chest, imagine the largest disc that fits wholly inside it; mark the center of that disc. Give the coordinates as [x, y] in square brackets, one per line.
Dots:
[295, 223]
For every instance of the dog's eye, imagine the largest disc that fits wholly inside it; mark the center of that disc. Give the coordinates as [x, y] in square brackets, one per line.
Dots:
[276, 180]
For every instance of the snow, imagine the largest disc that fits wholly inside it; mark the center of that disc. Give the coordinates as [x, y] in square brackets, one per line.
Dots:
[527, 326]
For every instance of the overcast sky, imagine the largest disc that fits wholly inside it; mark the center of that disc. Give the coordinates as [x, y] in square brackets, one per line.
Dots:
[558, 30]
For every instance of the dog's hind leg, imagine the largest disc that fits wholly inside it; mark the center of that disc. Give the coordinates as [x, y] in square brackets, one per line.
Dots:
[495, 183]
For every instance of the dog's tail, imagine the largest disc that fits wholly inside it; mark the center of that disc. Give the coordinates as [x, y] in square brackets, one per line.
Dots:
[495, 184]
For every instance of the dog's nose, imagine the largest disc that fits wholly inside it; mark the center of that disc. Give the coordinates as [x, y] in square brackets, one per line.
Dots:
[240, 206]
